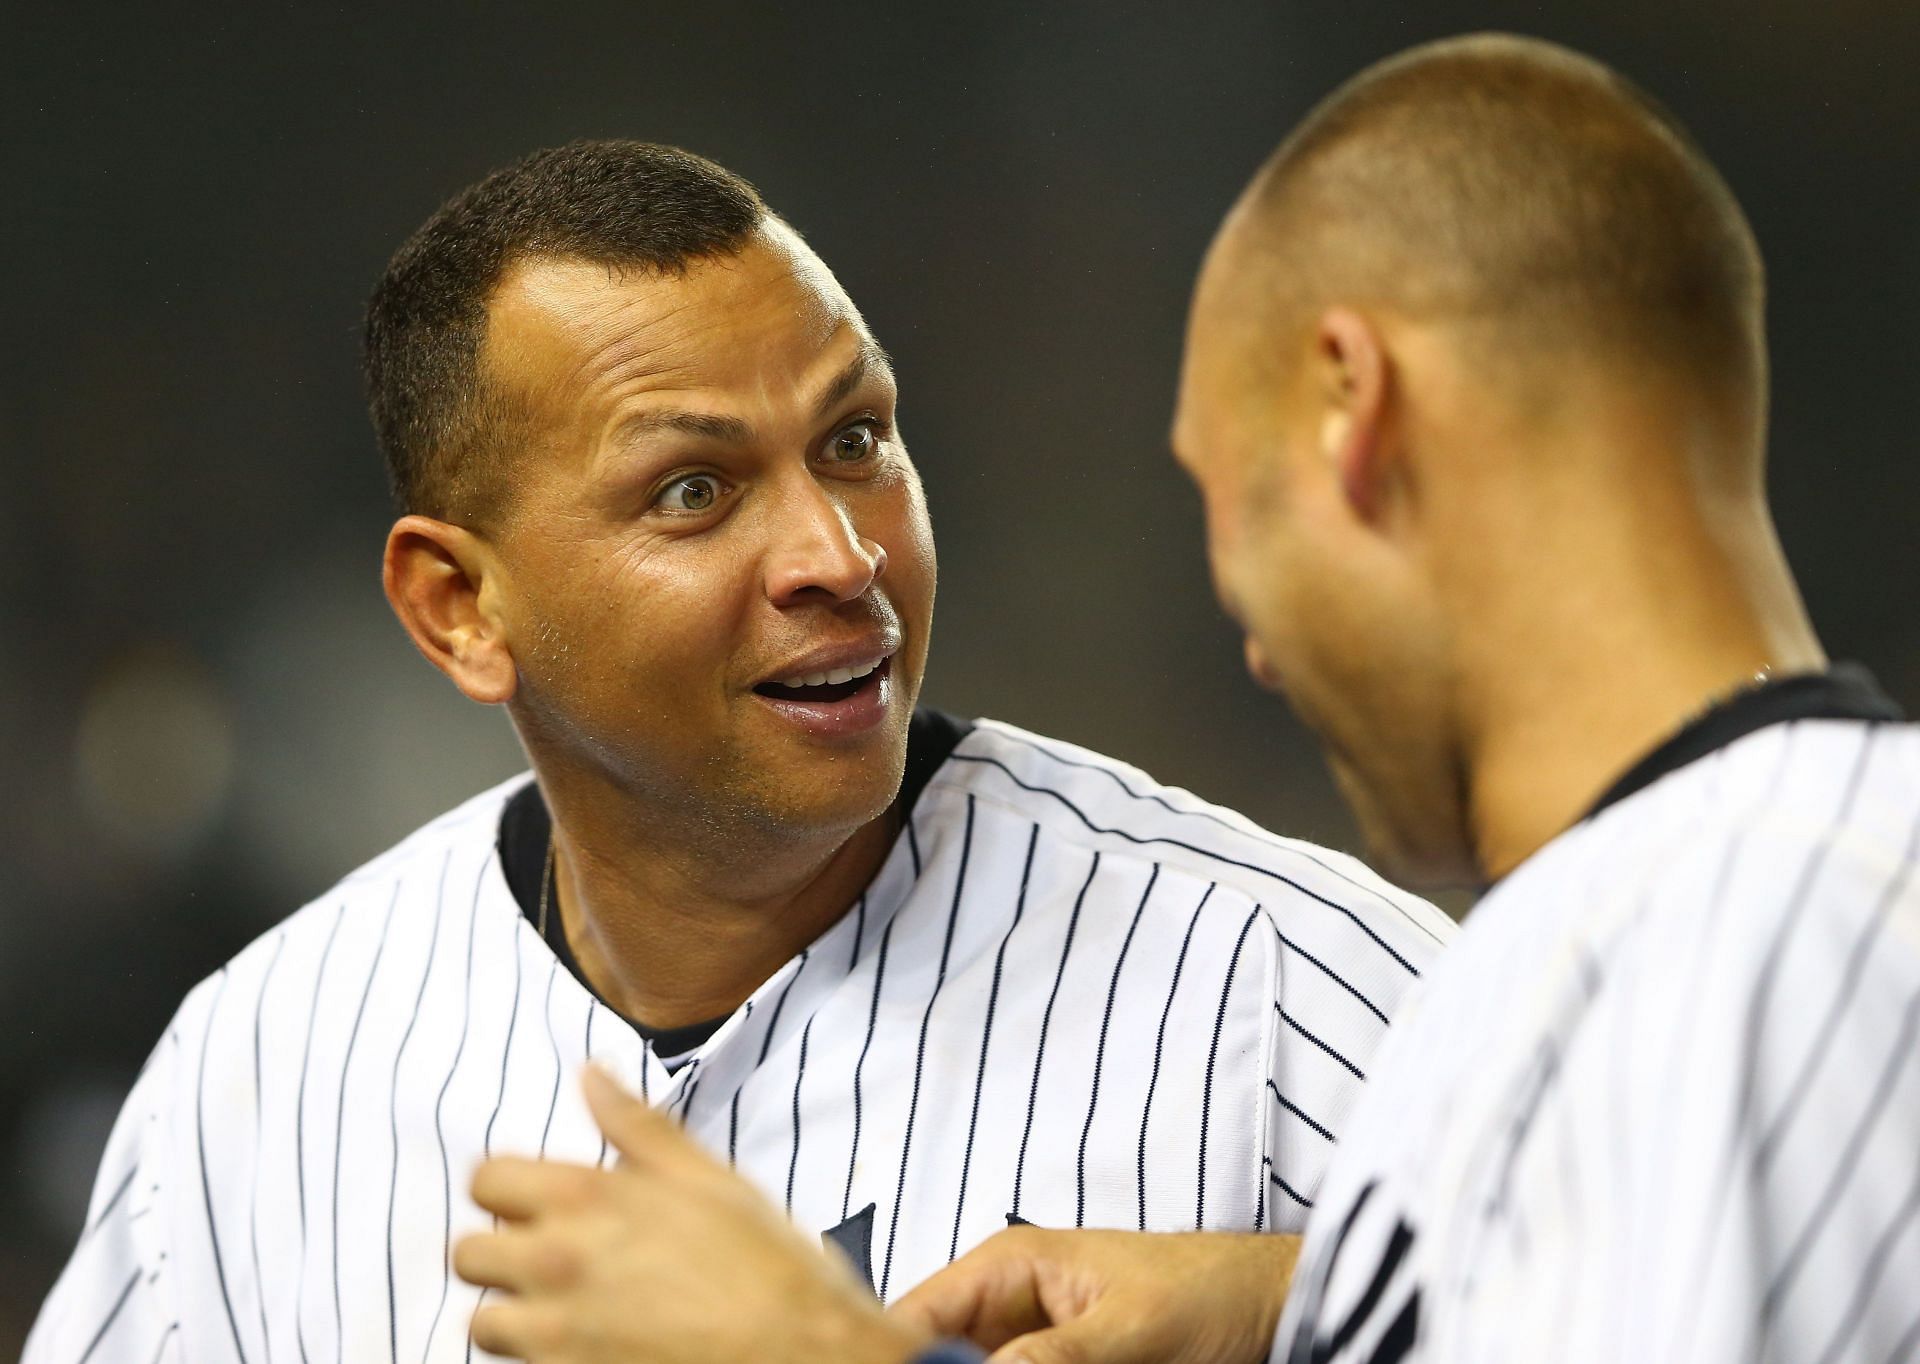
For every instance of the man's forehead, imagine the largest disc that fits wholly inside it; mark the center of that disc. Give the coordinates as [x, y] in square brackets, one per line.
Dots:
[1216, 337]
[827, 304]
[1250, 314]
[1237, 264]
[589, 315]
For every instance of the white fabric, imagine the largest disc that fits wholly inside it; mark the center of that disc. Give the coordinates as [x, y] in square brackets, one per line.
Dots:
[1070, 996]
[1662, 1101]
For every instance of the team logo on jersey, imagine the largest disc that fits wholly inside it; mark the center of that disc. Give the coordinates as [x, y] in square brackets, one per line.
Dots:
[853, 1238]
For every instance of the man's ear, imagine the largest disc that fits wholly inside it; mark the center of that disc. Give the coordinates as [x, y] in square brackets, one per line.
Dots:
[1356, 379]
[436, 576]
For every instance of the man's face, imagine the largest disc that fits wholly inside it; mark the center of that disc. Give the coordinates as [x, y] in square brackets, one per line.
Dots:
[1336, 614]
[1232, 434]
[717, 568]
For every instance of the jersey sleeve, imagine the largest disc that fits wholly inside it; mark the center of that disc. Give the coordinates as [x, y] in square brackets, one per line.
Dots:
[1326, 1023]
[112, 1300]
[1290, 1166]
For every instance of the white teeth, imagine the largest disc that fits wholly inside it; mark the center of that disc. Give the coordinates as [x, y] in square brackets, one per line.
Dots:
[832, 678]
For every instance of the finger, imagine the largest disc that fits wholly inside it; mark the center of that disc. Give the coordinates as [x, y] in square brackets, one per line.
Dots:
[492, 1329]
[989, 1295]
[492, 1259]
[527, 1262]
[519, 1189]
[635, 1130]
[505, 1327]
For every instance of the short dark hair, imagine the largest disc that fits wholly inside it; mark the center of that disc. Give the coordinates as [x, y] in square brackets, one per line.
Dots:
[443, 425]
[1512, 179]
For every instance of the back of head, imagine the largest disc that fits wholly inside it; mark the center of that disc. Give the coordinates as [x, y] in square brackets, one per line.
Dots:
[1526, 192]
[1497, 316]
[445, 425]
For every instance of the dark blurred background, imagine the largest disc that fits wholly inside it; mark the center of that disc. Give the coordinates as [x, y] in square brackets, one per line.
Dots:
[207, 714]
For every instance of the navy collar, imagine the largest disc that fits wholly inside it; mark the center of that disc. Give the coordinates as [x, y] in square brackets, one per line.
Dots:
[1846, 691]
[526, 827]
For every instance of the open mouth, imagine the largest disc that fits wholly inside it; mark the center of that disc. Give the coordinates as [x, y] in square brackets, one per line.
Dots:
[826, 688]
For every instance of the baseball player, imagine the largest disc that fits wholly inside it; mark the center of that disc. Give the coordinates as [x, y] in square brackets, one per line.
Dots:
[1479, 358]
[915, 978]
[1475, 392]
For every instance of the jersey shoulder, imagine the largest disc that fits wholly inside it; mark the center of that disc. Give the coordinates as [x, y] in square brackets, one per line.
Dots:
[1113, 806]
[1798, 827]
[1746, 822]
[1801, 886]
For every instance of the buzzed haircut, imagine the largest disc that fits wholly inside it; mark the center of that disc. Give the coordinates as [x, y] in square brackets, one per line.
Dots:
[446, 427]
[1513, 181]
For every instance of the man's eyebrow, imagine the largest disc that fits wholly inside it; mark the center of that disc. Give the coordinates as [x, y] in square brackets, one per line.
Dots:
[734, 431]
[872, 356]
[707, 425]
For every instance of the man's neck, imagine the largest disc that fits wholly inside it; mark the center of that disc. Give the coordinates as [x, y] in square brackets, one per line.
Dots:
[1583, 671]
[670, 935]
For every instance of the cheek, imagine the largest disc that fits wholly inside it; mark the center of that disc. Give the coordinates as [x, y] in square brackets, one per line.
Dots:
[626, 615]
[897, 520]
[1255, 565]
[1240, 527]
[1227, 542]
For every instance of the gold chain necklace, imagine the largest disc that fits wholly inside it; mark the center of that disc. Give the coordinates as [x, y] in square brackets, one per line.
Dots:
[546, 887]
[1760, 677]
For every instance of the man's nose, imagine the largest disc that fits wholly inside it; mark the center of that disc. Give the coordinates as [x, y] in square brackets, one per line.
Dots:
[820, 552]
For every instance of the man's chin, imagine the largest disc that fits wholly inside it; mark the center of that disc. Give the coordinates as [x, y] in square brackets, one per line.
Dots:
[838, 778]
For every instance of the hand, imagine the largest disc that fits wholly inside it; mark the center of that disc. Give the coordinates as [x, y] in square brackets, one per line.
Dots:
[670, 1258]
[1111, 1297]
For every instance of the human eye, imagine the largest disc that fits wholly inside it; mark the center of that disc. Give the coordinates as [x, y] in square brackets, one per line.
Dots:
[691, 493]
[855, 443]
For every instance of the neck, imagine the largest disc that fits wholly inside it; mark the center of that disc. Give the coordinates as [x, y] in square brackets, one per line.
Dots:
[675, 925]
[1600, 640]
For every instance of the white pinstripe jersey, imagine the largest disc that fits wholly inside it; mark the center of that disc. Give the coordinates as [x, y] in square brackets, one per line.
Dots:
[1070, 996]
[1662, 1102]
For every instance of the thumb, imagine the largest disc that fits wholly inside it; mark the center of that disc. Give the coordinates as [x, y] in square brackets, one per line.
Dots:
[1091, 1339]
[639, 1134]
[988, 1295]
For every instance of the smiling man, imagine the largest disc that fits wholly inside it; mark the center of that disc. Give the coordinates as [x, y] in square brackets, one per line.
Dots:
[917, 978]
